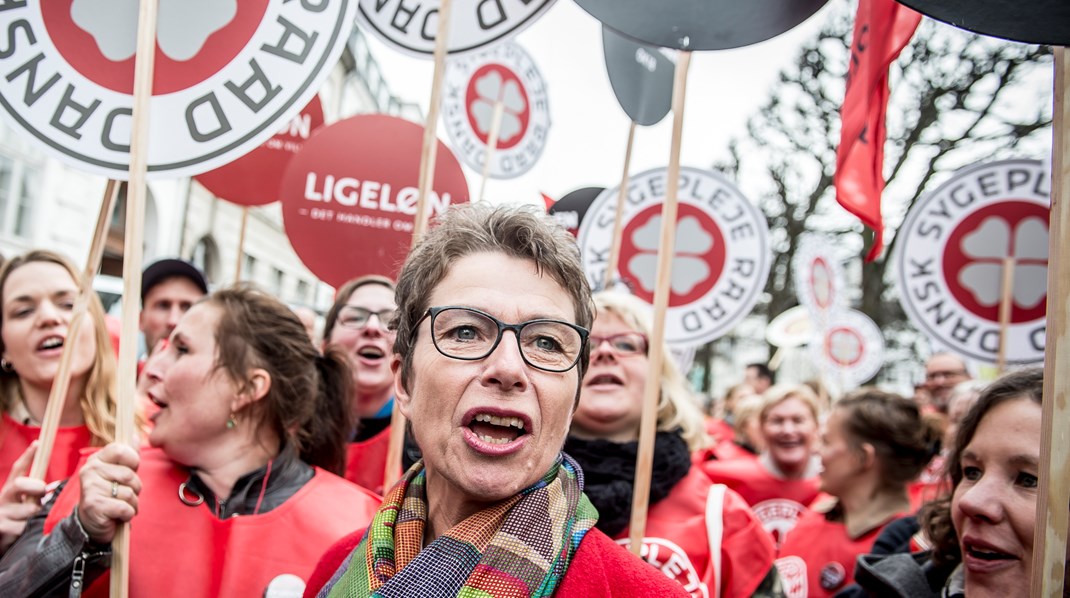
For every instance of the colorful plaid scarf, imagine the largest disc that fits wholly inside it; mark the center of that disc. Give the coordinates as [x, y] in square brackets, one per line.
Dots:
[519, 547]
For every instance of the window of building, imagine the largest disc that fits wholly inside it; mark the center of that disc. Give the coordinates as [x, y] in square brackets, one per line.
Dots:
[19, 183]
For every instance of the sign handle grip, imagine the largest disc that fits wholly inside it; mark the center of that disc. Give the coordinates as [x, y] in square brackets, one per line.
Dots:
[618, 219]
[427, 178]
[1053, 495]
[1006, 305]
[492, 144]
[57, 397]
[648, 424]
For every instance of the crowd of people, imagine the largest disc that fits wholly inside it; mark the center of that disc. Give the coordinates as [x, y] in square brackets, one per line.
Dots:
[261, 465]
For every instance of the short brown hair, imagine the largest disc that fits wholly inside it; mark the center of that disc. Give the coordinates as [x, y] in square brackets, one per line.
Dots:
[99, 401]
[902, 440]
[341, 298]
[308, 401]
[464, 229]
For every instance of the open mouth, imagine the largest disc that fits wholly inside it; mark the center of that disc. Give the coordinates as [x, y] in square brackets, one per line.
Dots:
[371, 353]
[605, 379]
[493, 429]
[988, 554]
[52, 342]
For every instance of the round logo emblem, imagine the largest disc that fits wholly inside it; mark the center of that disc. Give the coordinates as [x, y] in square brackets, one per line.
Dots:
[850, 349]
[475, 83]
[720, 261]
[778, 516]
[950, 260]
[667, 557]
[411, 26]
[819, 277]
[224, 82]
[832, 576]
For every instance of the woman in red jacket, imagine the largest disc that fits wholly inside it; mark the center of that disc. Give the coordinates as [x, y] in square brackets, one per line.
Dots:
[702, 535]
[783, 481]
[873, 445]
[37, 294]
[248, 413]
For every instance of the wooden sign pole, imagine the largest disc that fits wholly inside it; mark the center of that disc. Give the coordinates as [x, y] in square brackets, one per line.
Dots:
[492, 144]
[645, 459]
[125, 430]
[1053, 495]
[57, 396]
[618, 219]
[1006, 305]
[241, 244]
[427, 178]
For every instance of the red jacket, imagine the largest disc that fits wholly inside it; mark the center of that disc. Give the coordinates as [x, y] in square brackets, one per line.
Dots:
[178, 550]
[777, 503]
[600, 568]
[366, 461]
[15, 437]
[817, 558]
[680, 532]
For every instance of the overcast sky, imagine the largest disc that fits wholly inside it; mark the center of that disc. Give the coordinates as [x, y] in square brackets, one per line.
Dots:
[588, 130]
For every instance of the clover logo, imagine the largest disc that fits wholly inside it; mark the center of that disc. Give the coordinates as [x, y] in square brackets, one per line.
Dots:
[183, 26]
[490, 88]
[985, 248]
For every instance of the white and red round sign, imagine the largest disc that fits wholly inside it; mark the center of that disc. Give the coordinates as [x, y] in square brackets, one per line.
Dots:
[850, 349]
[349, 196]
[475, 83]
[792, 328]
[819, 277]
[721, 259]
[950, 258]
[411, 26]
[225, 80]
[253, 179]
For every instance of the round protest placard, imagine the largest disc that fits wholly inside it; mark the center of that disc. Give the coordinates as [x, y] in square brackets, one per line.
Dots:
[792, 328]
[224, 83]
[949, 261]
[721, 258]
[641, 77]
[850, 350]
[570, 210]
[349, 196]
[410, 26]
[819, 277]
[474, 84]
[253, 179]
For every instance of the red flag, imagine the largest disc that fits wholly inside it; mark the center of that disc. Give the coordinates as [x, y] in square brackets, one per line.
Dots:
[549, 201]
[882, 29]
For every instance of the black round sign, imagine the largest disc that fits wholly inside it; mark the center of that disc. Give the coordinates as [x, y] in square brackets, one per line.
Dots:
[1035, 22]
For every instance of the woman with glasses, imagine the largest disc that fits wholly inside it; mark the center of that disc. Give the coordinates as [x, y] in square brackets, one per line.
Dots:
[493, 311]
[684, 505]
[784, 480]
[232, 498]
[358, 324]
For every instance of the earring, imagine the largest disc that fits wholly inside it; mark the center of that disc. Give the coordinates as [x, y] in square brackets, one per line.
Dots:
[231, 422]
[6, 365]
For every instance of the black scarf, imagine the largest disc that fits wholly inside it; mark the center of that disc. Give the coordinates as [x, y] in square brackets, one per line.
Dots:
[609, 474]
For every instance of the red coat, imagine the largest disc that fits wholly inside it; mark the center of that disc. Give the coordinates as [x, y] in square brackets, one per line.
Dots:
[777, 502]
[366, 461]
[178, 550]
[15, 437]
[817, 559]
[600, 568]
[678, 539]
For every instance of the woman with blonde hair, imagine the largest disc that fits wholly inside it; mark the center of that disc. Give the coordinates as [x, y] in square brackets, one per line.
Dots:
[684, 505]
[37, 294]
[784, 481]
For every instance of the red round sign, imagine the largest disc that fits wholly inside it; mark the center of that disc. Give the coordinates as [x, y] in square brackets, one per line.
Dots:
[494, 83]
[977, 247]
[253, 179]
[697, 263]
[188, 51]
[349, 196]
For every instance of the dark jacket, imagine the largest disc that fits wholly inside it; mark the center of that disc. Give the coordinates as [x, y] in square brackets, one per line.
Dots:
[899, 575]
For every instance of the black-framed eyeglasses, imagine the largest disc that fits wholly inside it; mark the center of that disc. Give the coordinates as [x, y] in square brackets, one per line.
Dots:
[624, 344]
[355, 318]
[470, 334]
